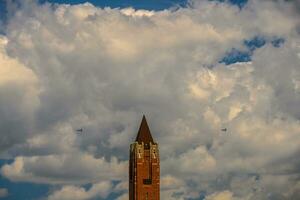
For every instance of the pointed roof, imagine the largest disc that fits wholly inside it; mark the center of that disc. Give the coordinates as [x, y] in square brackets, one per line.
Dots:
[144, 134]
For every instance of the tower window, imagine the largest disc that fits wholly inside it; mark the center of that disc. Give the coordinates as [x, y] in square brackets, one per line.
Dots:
[147, 181]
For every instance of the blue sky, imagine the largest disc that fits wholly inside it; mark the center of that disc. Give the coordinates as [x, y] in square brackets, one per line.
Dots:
[22, 190]
[243, 53]
[144, 4]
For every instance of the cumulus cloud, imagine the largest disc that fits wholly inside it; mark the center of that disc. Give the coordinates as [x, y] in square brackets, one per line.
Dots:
[67, 67]
[59, 169]
[101, 189]
[226, 195]
[19, 100]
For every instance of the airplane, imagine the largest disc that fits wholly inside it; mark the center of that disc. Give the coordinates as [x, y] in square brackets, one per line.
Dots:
[79, 130]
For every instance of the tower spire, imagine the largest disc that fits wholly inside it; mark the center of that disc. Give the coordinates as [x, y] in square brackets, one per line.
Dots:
[144, 170]
[144, 134]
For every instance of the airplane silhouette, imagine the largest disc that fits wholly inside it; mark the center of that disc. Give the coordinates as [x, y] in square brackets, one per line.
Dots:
[79, 130]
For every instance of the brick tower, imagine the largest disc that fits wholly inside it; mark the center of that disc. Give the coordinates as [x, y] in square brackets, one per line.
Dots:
[144, 166]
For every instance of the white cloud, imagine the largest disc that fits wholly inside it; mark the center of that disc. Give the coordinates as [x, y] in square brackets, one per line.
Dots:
[101, 189]
[196, 161]
[123, 197]
[225, 195]
[63, 169]
[67, 67]
[170, 182]
[19, 91]
[137, 13]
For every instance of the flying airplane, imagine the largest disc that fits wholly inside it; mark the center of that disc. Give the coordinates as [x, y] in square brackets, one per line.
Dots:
[79, 130]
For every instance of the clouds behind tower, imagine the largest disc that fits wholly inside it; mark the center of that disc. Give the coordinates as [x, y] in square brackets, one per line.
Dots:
[68, 67]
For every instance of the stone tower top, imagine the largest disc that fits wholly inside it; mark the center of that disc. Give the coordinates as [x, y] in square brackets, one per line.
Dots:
[144, 134]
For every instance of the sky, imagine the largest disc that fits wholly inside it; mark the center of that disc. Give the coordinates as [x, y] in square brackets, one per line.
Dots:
[192, 67]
